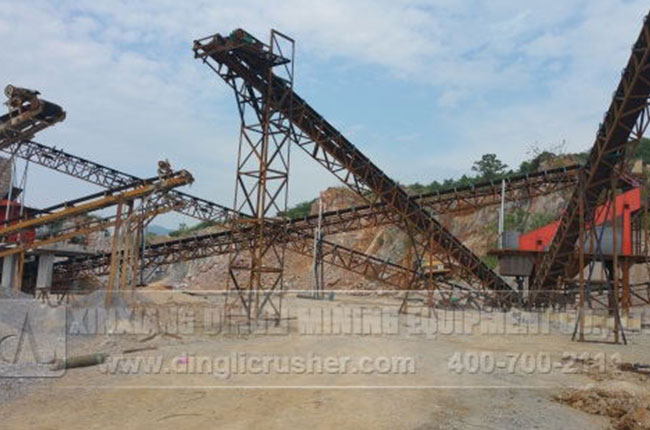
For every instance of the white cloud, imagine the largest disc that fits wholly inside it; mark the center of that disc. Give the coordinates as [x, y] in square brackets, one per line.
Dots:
[504, 74]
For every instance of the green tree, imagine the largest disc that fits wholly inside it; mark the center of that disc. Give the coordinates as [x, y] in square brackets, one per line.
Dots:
[541, 219]
[489, 167]
[515, 219]
[642, 150]
[300, 210]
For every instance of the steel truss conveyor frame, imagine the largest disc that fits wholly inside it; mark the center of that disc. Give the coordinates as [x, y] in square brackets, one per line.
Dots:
[245, 62]
[624, 124]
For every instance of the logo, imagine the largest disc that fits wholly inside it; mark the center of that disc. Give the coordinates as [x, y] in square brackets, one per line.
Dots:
[32, 337]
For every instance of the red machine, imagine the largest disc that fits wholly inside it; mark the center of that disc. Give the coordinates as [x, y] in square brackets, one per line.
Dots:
[11, 210]
[626, 205]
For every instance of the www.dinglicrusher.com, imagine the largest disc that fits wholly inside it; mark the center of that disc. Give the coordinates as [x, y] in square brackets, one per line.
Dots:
[226, 366]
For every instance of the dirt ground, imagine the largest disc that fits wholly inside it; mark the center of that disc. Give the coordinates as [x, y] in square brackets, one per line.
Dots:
[441, 386]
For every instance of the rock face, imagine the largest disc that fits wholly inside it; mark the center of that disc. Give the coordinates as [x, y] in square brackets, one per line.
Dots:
[386, 242]
[478, 230]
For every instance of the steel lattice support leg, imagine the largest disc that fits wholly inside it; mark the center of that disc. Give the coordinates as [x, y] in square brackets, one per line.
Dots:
[256, 274]
[599, 254]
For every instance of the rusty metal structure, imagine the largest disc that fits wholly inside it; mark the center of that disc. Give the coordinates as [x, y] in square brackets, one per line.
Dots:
[221, 243]
[94, 202]
[616, 264]
[28, 114]
[447, 201]
[273, 117]
[624, 124]
[297, 233]
[107, 177]
[262, 184]
[587, 232]
[128, 225]
[241, 59]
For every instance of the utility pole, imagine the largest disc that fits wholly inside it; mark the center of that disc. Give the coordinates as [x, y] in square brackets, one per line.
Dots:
[501, 213]
[317, 264]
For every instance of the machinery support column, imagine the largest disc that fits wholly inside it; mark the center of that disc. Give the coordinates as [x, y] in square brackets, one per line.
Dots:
[44, 273]
[615, 291]
[117, 230]
[20, 270]
[8, 272]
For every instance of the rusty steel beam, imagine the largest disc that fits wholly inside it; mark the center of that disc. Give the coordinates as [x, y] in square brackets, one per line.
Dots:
[370, 267]
[339, 221]
[160, 205]
[185, 249]
[168, 252]
[445, 201]
[215, 244]
[482, 194]
[360, 217]
[452, 200]
[448, 201]
[376, 269]
[97, 201]
[108, 177]
[242, 60]
[625, 123]
[345, 220]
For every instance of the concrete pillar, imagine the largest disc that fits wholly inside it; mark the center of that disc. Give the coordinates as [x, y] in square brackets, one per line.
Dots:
[44, 274]
[8, 273]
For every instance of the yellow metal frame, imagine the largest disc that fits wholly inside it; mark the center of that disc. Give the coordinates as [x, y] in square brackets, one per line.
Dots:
[101, 203]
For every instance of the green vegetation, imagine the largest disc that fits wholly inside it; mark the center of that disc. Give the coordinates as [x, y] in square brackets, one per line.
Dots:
[540, 219]
[489, 167]
[300, 210]
[491, 261]
[521, 220]
[534, 164]
[184, 229]
[515, 220]
[642, 151]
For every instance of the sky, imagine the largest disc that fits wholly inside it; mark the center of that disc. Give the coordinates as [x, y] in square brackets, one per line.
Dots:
[423, 88]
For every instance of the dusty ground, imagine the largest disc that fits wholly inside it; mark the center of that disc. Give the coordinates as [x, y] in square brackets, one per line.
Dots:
[524, 394]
